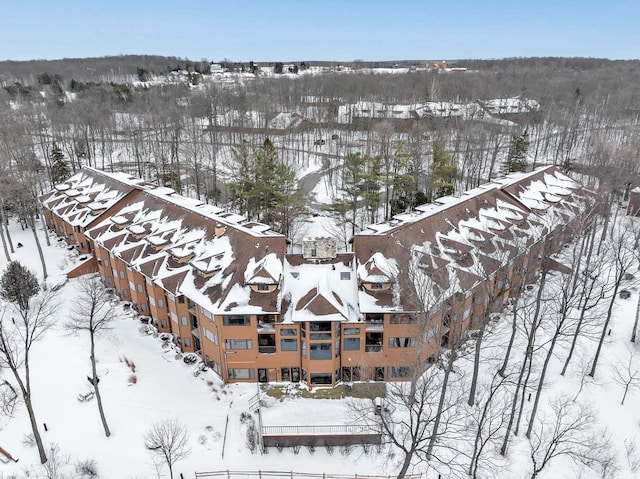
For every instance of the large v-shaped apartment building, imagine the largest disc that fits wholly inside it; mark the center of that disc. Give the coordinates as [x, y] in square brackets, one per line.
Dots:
[232, 290]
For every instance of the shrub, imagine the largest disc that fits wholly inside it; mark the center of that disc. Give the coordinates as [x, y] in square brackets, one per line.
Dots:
[87, 469]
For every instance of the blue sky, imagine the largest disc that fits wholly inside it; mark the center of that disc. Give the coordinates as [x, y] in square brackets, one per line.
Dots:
[344, 30]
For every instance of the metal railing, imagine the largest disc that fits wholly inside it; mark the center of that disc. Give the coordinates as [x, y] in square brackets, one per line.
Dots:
[346, 429]
[290, 475]
[373, 348]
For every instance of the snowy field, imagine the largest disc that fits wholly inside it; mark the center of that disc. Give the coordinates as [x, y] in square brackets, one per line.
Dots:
[165, 387]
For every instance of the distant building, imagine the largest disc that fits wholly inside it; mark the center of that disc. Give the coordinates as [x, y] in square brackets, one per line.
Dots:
[436, 66]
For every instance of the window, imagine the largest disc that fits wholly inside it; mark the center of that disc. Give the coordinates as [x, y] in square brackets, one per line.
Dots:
[403, 319]
[121, 273]
[236, 320]
[373, 342]
[143, 307]
[317, 336]
[351, 344]
[289, 344]
[295, 375]
[267, 343]
[321, 378]
[345, 275]
[304, 349]
[206, 313]
[160, 304]
[241, 373]
[320, 326]
[174, 317]
[152, 301]
[125, 293]
[140, 288]
[314, 252]
[263, 287]
[288, 332]
[320, 351]
[378, 373]
[238, 344]
[402, 342]
[132, 286]
[376, 285]
[262, 375]
[285, 374]
[350, 374]
[431, 333]
[351, 331]
[181, 299]
[210, 336]
[187, 342]
[163, 323]
[399, 371]
[106, 263]
[172, 298]
[183, 320]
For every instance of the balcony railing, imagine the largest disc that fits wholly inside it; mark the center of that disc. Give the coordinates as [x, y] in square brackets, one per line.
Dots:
[349, 429]
[374, 325]
[266, 327]
[373, 348]
[266, 349]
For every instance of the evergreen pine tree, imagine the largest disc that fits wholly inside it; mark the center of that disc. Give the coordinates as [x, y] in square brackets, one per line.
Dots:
[60, 169]
[516, 159]
[443, 171]
[18, 285]
[353, 175]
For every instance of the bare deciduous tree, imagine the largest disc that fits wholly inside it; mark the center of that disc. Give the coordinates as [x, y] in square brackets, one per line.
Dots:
[622, 258]
[18, 335]
[568, 432]
[92, 312]
[627, 374]
[169, 440]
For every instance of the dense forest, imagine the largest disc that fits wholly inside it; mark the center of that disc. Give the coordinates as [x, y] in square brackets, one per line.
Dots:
[384, 139]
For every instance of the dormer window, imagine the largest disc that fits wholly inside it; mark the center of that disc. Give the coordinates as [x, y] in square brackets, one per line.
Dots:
[137, 231]
[376, 285]
[208, 273]
[262, 287]
[120, 222]
[345, 275]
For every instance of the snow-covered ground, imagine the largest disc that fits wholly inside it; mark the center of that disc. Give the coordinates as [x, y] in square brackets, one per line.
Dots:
[165, 387]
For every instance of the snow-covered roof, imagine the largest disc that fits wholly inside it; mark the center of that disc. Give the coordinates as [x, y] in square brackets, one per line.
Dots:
[208, 255]
[87, 192]
[466, 238]
[320, 291]
[503, 106]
